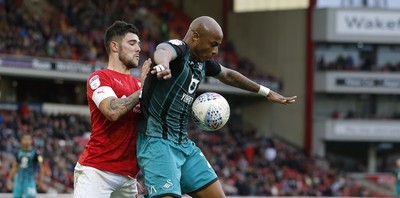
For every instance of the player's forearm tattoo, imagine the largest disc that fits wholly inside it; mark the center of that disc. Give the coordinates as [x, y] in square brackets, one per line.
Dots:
[236, 79]
[123, 105]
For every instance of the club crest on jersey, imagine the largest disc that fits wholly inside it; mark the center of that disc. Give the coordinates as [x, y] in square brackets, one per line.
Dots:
[94, 82]
[168, 185]
[176, 42]
[198, 65]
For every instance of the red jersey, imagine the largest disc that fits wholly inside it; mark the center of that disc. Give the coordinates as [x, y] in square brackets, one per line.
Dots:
[112, 145]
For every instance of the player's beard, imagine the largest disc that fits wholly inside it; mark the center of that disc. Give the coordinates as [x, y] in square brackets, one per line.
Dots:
[129, 62]
[201, 55]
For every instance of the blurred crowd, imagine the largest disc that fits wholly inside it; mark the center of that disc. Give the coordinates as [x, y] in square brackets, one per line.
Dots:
[59, 138]
[250, 164]
[347, 63]
[73, 29]
[246, 163]
[351, 114]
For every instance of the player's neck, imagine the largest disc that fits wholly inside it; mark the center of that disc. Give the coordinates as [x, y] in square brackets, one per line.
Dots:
[118, 67]
[193, 56]
[27, 149]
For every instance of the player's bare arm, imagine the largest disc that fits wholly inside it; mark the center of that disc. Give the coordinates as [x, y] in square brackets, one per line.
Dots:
[236, 79]
[41, 173]
[162, 56]
[114, 108]
[14, 170]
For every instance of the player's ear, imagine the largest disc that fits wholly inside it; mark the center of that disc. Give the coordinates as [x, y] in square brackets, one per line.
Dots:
[114, 46]
[195, 36]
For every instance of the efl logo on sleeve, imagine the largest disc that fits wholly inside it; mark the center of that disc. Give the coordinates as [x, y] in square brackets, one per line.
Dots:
[94, 82]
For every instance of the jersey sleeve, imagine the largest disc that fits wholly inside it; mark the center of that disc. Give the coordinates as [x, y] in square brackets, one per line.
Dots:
[99, 87]
[213, 68]
[17, 158]
[179, 46]
[37, 159]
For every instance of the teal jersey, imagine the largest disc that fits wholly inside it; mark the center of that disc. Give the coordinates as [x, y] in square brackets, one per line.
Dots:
[166, 104]
[396, 174]
[24, 180]
[27, 166]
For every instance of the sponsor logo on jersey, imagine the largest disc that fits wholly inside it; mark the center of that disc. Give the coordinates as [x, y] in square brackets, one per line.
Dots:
[99, 91]
[187, 99]
[118, 81]
[94, 82]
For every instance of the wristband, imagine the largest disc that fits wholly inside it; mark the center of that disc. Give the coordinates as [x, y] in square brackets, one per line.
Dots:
[159, 68]
[264, 91]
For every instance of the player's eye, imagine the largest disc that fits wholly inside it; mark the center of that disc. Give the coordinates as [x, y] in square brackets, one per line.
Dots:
[214, 44]
[133, 43]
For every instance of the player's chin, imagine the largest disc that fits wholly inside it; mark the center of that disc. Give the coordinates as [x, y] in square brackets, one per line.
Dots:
[206, 59]
[133, 65]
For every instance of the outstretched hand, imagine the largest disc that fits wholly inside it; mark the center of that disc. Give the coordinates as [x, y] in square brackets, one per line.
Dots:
[145, 69]
[275, 97]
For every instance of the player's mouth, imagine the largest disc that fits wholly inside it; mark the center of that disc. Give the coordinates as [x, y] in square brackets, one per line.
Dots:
[208, 58]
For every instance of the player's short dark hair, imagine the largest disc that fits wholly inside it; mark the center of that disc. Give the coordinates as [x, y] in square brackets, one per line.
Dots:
[116, 31]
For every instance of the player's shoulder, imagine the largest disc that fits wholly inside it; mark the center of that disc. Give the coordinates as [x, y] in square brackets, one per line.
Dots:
[181, 48]
[18, 152]
[94, 78]
[102, 72]
[36, 151]
[176, 42]
[39, 156]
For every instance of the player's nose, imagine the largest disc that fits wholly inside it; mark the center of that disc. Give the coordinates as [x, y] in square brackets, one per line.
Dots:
[214, 51]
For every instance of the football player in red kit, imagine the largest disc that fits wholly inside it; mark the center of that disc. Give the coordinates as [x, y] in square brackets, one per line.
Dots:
[108, 165]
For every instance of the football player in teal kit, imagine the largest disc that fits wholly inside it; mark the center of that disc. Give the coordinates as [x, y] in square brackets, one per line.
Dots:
[396, 176]
[171, 163]
[28, 163]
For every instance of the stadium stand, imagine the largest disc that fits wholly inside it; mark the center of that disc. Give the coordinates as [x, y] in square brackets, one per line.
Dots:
[246, 164]
[75, 29]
